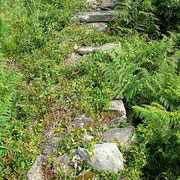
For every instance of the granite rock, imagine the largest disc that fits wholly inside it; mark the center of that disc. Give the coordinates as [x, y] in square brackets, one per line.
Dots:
[109, 5]
[81, 121]
[104, 48]
[99, 16]
[64, 162]
[36, 171]
[107, 157]
[118, 107]
[123, 135]
[98, 26]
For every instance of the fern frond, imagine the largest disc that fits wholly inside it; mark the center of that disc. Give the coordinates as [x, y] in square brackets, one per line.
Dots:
[7, 90]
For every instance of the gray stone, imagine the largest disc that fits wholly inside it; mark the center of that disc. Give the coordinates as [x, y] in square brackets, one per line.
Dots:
[92, 3]
[123, 135]
[86, 50]
[107, 157]
[51, 146]
[98, 26]
[118, 107]
[117, 121]
[104, 48]
[64, 162]
[87, 138]
[101, 16]
[81, 121]
[36, 171]
[109, 46]
[108, 5]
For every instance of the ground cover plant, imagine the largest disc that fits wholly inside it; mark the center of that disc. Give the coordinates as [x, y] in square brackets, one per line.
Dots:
[40, 86]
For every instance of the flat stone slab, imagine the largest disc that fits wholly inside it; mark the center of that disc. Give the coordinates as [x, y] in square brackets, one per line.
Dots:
[64, 162]
[86, 50]
[100, 16]
[92, 3]
[117, 121]
[118, 107]
[36, 171]
[107, 157]
[104, 48]
[81, 121]
[110, 5]
[98, 26]
[123, 135]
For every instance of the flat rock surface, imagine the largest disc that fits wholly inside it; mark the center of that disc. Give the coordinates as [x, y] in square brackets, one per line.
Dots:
[64, 162]
[117, 121]
[99, 16]
[118, 107]
[92, 3]
[109, 5]
[98, 26]
[86, 50]
[104, 48]
[123, 135]
[36, 171]
[107, 157]
[81, 121]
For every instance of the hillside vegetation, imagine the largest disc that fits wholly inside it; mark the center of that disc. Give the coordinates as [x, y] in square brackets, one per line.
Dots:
[40, 86]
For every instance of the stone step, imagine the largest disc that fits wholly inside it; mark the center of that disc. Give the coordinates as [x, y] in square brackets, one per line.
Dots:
[92, 3]
[98, 26]
[108, 5]
[103, 49]
[106, 157]
[118, 107]
[101, 16]
[123, 135]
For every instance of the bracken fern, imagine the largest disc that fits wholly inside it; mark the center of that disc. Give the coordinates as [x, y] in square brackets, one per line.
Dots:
[144, 69]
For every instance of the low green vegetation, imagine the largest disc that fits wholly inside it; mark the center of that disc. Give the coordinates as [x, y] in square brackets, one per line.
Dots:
[41, 85]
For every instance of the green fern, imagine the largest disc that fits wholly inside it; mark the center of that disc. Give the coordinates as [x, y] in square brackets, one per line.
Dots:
[7, 91]
[145, 70]
[165, 89]
[160, 133]
[138, 15]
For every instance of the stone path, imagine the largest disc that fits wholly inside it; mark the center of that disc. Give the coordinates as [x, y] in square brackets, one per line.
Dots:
[107, 155]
